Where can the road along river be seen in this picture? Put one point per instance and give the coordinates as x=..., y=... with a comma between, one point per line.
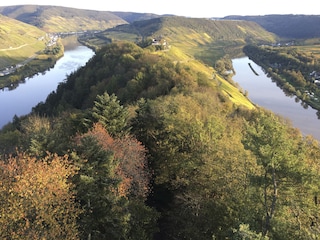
x=265, y=93
x=22, y=99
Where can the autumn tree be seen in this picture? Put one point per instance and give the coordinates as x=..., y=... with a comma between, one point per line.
x=113, y=184
x=37, y=198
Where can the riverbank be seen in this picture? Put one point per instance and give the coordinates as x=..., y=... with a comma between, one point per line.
x=31, y=66
x=38, y=63
x=31, y=91
x=265, y=93
x=291, y=69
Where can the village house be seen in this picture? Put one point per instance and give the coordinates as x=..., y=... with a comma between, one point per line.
x=159, y=42
x=315, y=75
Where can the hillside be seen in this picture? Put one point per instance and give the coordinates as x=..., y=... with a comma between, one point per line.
x=18, y=41
x=287, y=26
x=62, y=19
x=131, y=17
x=203, y=39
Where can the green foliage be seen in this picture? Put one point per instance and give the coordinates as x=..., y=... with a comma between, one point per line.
x=224, y=66
x=108, y=111
x=104, y=212
x=244, y=233
x=123, y=69
x=193, y=151
x=285, y=193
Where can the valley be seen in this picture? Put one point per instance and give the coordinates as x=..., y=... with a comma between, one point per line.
x=152, y=136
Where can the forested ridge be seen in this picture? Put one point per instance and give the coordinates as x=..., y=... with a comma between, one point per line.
x=286, y=26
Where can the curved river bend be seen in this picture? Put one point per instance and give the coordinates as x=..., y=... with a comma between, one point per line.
x=22, y=99
x=265, y=93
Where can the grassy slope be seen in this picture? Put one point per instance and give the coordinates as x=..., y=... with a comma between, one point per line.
x=204, y=39
x=18, y=41
x=61, y=19
x=199, y=36
x=226, y=87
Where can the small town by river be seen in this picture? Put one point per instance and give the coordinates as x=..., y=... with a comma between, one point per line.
x=263, y=92
x=22, y=99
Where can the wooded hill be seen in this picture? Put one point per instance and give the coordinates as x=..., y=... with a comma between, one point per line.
x=287, y=26
x=61, y=19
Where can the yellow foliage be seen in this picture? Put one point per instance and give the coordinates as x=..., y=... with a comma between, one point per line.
x=37, y=200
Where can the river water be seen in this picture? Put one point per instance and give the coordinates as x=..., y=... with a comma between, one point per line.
x=265, y=93
x=22, y=99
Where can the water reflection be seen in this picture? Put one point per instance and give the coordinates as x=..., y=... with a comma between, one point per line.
x=19, y=100
x=265, y=93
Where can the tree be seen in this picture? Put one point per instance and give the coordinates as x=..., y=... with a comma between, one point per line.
x=113, y=116
x=131, y=163
x=244, y=232
x=112, y=184
x=198, y=162
x=281, y=159
x=37, y=199
x=36, y=132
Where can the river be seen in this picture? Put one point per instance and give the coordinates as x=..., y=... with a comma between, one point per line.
x=22, y=99
x=265, y=93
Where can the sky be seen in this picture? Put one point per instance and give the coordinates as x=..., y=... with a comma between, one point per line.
x=188, y=8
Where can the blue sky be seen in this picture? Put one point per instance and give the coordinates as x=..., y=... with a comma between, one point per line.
x=199, y=8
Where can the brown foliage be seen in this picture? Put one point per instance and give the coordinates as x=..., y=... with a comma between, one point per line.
x=130, y=155
x=36, y=198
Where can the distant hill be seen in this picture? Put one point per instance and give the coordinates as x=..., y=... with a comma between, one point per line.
x=62, y=19
x=202, y=30
x=131, y=17
x=287, y=26
x=18, y=41
x=204, y=39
